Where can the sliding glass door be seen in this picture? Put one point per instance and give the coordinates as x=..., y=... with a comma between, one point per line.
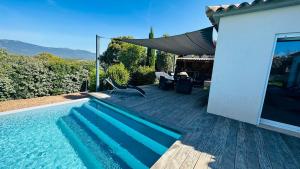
x=282, y=100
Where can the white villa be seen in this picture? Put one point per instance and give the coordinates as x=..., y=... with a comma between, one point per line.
x=256, y=74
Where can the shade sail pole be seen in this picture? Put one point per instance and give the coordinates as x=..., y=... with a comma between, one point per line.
x=97, y=63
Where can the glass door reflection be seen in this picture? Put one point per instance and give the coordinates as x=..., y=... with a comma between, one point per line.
x=282, y=100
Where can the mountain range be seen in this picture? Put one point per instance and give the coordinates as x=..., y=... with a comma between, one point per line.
x=23, y=48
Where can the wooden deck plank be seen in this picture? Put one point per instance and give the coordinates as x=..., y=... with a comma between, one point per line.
x=165, y=159
x=251, y=148
x=198, y=139
x=198, y=134
x=272, y=148
x=209, y=141
x=287, y=156
x=216, y=148
x=191, y=159
x=227, y=159
x=240, y=156
x=178, y=159
x=204, y=157
x=293, y=144
x=183, y=106
x=173, y=110
x=216, y=141
x=264, y=161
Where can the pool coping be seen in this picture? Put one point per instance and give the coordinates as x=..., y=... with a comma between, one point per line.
x=144, y=117
x=42, y=106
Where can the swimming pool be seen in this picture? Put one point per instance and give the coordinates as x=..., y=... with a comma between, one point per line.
x=84, y=134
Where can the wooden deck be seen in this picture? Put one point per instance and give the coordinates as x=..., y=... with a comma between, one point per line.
x=209, y=141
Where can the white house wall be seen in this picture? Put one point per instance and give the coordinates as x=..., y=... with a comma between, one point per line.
x=243, y=59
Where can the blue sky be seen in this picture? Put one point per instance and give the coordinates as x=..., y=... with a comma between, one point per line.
x=74, y=23
x=284, y=48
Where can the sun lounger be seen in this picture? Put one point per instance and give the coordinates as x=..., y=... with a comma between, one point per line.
x=117, y=87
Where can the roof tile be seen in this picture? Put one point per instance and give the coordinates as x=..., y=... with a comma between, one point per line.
x=215, y=12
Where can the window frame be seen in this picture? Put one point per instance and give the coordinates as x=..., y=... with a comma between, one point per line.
x=260, y=120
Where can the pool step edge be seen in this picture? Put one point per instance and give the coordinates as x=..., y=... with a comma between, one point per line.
x=143, y=121
x=87, y=157
x=122, y=153
x=136, y=135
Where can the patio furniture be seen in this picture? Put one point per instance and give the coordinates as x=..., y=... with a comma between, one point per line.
x=117, y=87
x=183, y=74
x=206, y=84
x=184, y=85
x=164, y=74
x=165, y=84
x=180, y=75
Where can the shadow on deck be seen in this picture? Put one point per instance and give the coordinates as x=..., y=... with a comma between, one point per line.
x=208, y=141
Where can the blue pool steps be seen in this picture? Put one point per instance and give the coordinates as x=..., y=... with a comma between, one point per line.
x=94, y=152
x=108, y=137
x=89, y=159
x=152, y=131
x=118, y=147
x=153, y=145
x=129, y=149
x=137, y=119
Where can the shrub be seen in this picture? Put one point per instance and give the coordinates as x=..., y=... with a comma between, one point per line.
x=92, y=80
x=68, y=76
x=31, y=78
x=6, y=88
x=43, y=75
x=164, y=61
x=118, y=73
x=142, y=76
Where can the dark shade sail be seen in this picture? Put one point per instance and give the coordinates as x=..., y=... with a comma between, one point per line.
x=191, y=43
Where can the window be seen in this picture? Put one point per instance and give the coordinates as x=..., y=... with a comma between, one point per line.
x=282, y=101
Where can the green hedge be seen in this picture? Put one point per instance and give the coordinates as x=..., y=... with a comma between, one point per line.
x=6, y=87
x=118, y=73
x=92, y=81
x=46, y=74
x=43, y=75
x=142, y=76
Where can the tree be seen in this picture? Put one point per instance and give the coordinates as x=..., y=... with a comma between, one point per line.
x=164, y=61
x=151, y=52
x=112, y=53
x=132, y=56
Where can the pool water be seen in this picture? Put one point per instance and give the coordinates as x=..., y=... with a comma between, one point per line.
x=31, y=139
x=86, y=134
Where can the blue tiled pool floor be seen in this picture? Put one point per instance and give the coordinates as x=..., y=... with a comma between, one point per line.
x=85, y=134
x=31, y=139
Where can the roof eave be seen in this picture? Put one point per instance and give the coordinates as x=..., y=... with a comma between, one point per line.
x=214, y=17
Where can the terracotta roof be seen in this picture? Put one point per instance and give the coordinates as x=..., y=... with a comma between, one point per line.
x=214, y=13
